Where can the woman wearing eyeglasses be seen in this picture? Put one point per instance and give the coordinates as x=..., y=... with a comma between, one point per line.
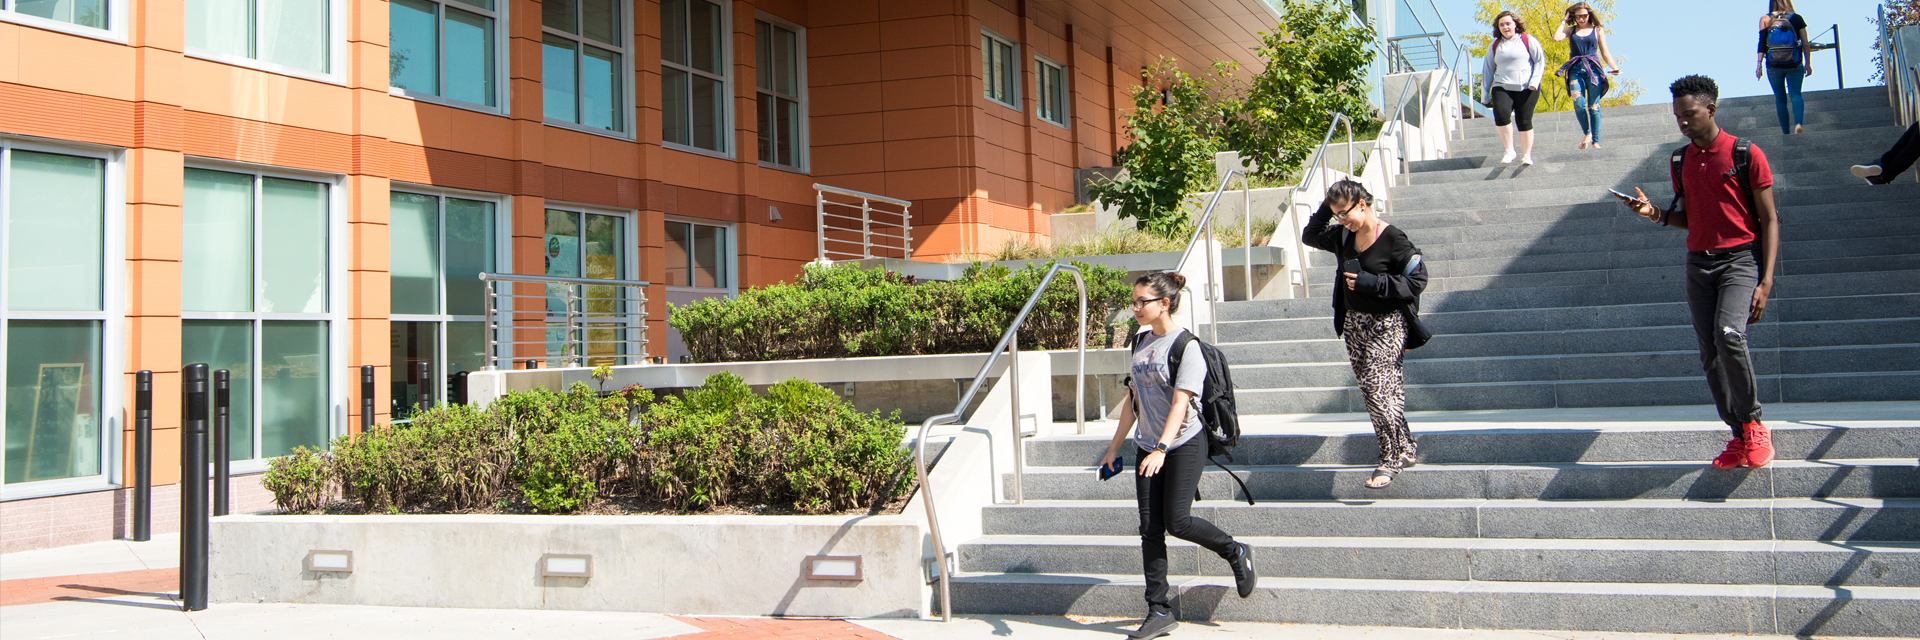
x=1380, y=274
x=1169, y=450
x=1587, y=48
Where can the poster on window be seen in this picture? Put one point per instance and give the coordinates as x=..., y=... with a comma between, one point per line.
x=563, y=260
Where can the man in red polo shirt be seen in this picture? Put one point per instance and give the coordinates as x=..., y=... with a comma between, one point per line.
x=1733, y=234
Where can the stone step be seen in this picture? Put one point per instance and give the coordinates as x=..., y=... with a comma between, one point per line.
x=1446, y=604
x=1763, y=130
x=1588, y=316
x=1823, y=519
x=1589, y=393
x=1823, y=200
x=1758, y=562
x=1885, y=478
x=1487, y=333
x=1797, y=171
x=1800, y=432
x=1792, y=192
x=1816, y=101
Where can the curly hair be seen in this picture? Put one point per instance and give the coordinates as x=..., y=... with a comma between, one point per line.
x=1698, y=86
x=1519, y=26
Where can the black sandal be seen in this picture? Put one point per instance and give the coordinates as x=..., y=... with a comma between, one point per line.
x=1385, y=470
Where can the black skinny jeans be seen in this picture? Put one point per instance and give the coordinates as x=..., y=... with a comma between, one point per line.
x=1900, y=157
x=1166, y=502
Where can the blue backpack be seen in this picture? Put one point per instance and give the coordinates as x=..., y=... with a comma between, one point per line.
x=1783, y=43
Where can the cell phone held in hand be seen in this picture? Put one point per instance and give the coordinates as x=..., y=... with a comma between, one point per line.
x=1110, y=469
x=1622, y=195
x=1351, y=266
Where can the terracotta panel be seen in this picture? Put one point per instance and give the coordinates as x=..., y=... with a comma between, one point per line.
x=845, y=39
x=924, y=62
x=372, y=297
x=369, y=64
x=926, y=32
x=846, y=129
x=157, y=126
x=153, y=343
x=153, y=232
x=9, y=53
x=85, y=66
x=154, y=176
x=372, y=248
x=613, y=157
x=925, y=183
x=870, y=182
x=844, y=99
x=924, y=8
x=66, y=116
x=566, y=148
x=263, y=143
x=854, y=68
x=842, y=12
x=153, y=288
x=161, y=25
x=849, y=158
x=924, y=92
x=583, y=187
x=529, y=221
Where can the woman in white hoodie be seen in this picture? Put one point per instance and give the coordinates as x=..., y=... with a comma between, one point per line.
x=1511, y=80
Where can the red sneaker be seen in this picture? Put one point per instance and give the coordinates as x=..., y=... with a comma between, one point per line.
x=1759, y=445
x=1734, y=457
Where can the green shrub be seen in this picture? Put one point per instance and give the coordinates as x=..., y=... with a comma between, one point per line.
x=301, y=481
x=844, y=311
x=570, y=445
x=833, y=457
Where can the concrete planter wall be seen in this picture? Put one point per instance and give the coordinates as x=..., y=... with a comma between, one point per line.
x=707, y=565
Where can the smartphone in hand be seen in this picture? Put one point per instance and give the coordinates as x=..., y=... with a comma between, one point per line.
x=1351, y=266
x=1110, y=469
x=1622, y=195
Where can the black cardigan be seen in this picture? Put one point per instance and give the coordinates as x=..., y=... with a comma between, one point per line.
x=1399, y=286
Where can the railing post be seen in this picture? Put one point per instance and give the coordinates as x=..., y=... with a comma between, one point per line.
x=143, y=456
x=820, y=222
x=1019, y=441
x=222, y=467
x=906, y=232
x=366, y=398
x=866, y=227
x=193, y=487
x=425, y=401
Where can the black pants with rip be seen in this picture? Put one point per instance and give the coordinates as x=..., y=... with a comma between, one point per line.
x=1166, y=504
x=1720, y=295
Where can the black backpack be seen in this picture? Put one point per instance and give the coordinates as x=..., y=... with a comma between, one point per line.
x=1742, y=173
x=1217, y=410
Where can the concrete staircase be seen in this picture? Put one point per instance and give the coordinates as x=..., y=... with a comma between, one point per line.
x=1584, y=502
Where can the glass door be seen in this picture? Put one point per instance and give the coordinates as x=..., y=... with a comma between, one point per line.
x=586, y=324
x=700, y=261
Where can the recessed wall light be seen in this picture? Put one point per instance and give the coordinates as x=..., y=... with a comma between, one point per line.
x=560, y=565
x=330, y=561
x=834, y=568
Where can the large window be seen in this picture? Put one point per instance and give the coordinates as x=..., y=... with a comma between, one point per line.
x=700, y=259
x=294, y=35
x=998, y=71
x=782, y=55
x=693, y=74
x=440, y=244
x=444, y=50
x=583, y=62
x=592, y=245
x=1052, y=97
x=59, y=337
x=255, y=299
x=96, y=18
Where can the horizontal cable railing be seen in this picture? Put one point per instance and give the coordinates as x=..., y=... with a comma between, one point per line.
x=856, y=226
x=573, y=321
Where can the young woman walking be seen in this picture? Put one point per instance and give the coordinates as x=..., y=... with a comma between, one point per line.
x=1511, y=80
x=1170, y=449
x=1380, y=273
x=1787, y=56
x=1585, y=81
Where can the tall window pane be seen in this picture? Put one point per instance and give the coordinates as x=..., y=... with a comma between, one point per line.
x=56, y=217
x=469, y=254
x=294, y=33
x=600, y=20
x=778, y=85
x=600, y=100
x=708, y=102
x=466, y=346
x=470, y=65
x=559, y=14
x=706, y=34
x=53, y=387
x=86, y=13
x=693, y=74
x=226, y=344
x=413, y=41
x=414, y=256
x=675, y=85
x=221, y=26
x=709, y=247
x=293, y=252
x=558, y=79
x=216, y=242
x=678, y=274
x=413, y=343
x=293, y=386
x=673, y=31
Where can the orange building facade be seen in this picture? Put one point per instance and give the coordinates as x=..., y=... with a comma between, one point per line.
x=293, y=190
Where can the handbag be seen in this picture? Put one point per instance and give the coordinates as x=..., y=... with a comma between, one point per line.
x=1417, y=332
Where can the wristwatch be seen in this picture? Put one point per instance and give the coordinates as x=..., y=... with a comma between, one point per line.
x=1160, y=447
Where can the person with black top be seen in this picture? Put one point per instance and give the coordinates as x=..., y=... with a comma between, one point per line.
x=1381, y=274
x=1894, y=161
x=1787, y=55
x=1170, y=448
x=1733, y=234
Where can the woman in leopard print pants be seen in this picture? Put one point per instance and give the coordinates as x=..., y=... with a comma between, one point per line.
x=1381, y=274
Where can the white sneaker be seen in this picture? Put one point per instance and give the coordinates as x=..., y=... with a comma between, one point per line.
x=1865, y=170
x=1526, y=160
x=1507, y=158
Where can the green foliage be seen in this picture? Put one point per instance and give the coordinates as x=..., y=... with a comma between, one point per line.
x=844, y=311
x=300, y=482
x=1316, y=64
x=1174, y=135
x=720, y=444
x=1542, y=17
x=1900, y=14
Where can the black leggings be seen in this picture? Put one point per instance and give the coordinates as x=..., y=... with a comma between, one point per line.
x=1514, y=107
x=1900, y=157
x=1166, y=502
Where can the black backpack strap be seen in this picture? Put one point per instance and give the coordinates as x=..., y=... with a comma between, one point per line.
x=1679, y=186
x=1174, y=355
x=1236, y=480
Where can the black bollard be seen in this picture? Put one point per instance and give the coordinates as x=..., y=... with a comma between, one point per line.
x=222, y=456
x=425, y=369
x=366, y=398
x=533, y=364
x=457, y=388
x=143, y=456
x=193, y=487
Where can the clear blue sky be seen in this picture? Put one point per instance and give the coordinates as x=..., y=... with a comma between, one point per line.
x=1657, y=41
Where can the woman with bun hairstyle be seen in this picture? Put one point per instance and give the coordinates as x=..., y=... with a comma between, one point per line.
x=1510, y=79
x=1380, y=275
x=1586, y=83
x=1169, y=447
x=1787, y=55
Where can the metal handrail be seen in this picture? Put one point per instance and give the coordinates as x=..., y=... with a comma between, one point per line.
x=1338, y=119
x=575, y=320
x=1009, y=341
x=1217, y=290
x=867, y=223
x=1400, y=137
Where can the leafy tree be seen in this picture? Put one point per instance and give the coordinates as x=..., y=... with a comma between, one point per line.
x=1541, y=18
x=1316, y=64
x=1900, y=13
x=1174, y=133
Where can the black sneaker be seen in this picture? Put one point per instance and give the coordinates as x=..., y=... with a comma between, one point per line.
x=1157, y=624
x=1244, y=577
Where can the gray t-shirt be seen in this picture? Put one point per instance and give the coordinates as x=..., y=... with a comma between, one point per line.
x=1155, y=395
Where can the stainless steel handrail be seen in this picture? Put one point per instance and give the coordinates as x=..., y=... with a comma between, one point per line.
x=867, y=224
x=1010, y=342
x=575, y=320
x=1398, y=116
x=1306, y=177
x=1217, y=290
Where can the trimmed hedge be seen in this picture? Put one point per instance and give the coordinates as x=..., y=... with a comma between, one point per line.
x=799, y=445
x=844, y=311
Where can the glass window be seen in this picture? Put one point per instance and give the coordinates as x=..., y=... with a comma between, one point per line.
x=693, y=74
x=289, y=33
x=779, y=86
x=697, y=255
x=255, y=278
x=53, y=217
x=997, y=69
x=443, y=49
x=582, y=244
x=440, y=246
x=86, y=13
x=1052, y=97
x=583, y=62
